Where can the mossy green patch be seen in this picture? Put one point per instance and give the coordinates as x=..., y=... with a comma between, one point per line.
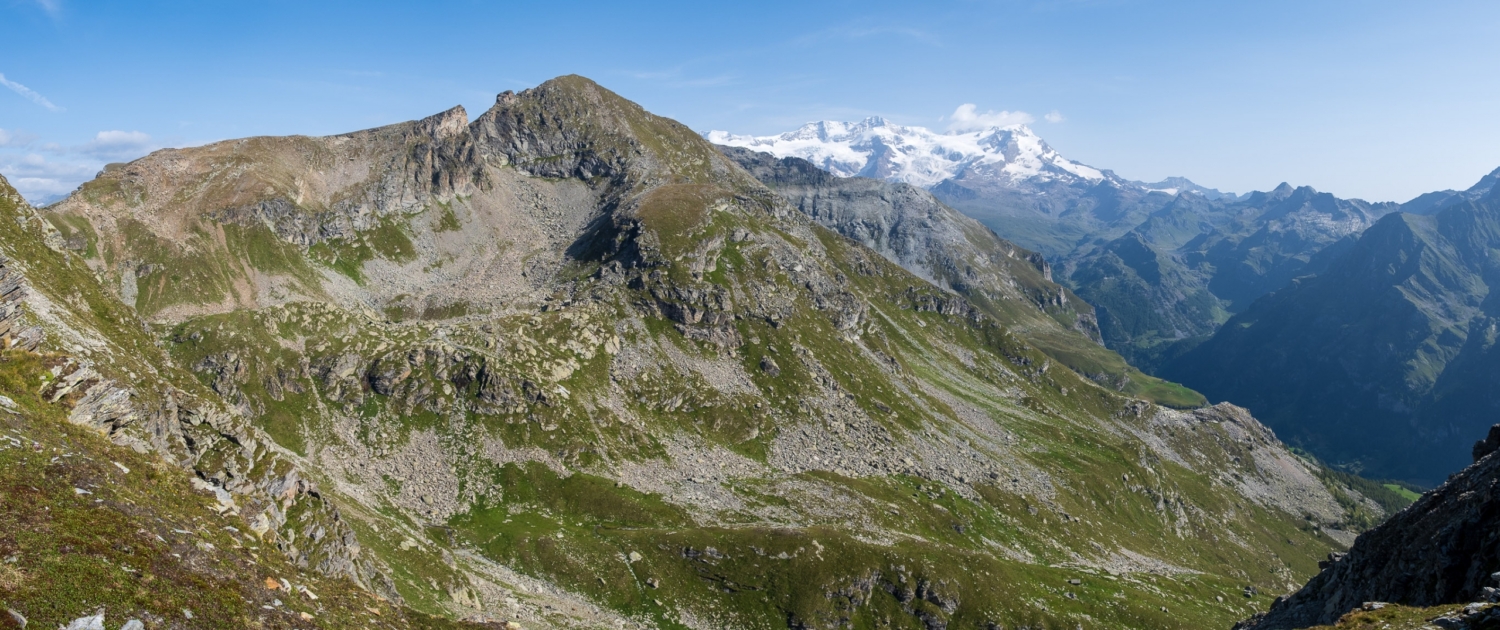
x=88, y=526
x=388, y=240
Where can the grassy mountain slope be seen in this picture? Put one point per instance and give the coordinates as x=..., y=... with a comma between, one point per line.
x=568, y=362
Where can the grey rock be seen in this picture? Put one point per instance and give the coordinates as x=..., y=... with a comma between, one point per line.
x=93, y=622
x=18, y=618
x=1443, y=549
x=133, y=624
x=1488, y=445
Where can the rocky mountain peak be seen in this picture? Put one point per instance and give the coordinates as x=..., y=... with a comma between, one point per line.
x=1487, y=183
x=573, y=127
x=1009, y=155
x=446, y=124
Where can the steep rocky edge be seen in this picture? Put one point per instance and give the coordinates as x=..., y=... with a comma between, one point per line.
x=910, y=227
x=569, y=363
x=1443, y=549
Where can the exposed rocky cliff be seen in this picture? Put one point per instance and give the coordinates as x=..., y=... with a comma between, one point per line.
x=1443, y=549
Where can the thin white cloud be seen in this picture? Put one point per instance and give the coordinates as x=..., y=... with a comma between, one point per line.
x=52, y=7
x=968, y=118
x=15, y=138
x=37, y=165
x=1054, y=116
x=42, y=180
x=41, y=190
x=28, y=93
x=44, y=172
x=677, y=77
x=113, y=145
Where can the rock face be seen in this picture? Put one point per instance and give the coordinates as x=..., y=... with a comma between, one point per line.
x=1443, y=549
x=907, y=225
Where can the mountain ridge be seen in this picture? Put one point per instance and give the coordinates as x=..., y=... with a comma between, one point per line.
x=1214, y=252
x=878, y=149
x=913, y=229
x=572, y=355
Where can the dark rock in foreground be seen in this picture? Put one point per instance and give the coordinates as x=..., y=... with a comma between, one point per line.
x=1441, y=550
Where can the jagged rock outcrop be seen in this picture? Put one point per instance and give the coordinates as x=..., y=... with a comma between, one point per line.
x=1443, y=549
x=12, y=293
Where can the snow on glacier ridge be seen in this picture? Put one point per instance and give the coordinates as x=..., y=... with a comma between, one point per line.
x=876, y=148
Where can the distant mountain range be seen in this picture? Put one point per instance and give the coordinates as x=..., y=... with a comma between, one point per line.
x=875, y=148
x=1351, y=323
x=1387, y=356
x=1165, y=263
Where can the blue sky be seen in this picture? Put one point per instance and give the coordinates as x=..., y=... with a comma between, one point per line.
x=1375, y=99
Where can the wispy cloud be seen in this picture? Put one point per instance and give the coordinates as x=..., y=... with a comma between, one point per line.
x=1054, y=116
x=115, y=145
x=52, y=7
x=43, y=173
x=15, y=138
x=28, y=93
x=676, y=77
x=968, y=118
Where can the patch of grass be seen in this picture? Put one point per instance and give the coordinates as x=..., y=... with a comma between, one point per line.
x=1392, y=617
x=387, y=240
x=1165, y=393
x=88, y=525
x=447, y=220
x=673, y=212
x=1403, y=491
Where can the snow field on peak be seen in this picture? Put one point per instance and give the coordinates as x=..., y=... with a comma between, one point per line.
x=916, y=155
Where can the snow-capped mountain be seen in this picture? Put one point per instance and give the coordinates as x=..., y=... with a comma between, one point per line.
x=915, y=155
